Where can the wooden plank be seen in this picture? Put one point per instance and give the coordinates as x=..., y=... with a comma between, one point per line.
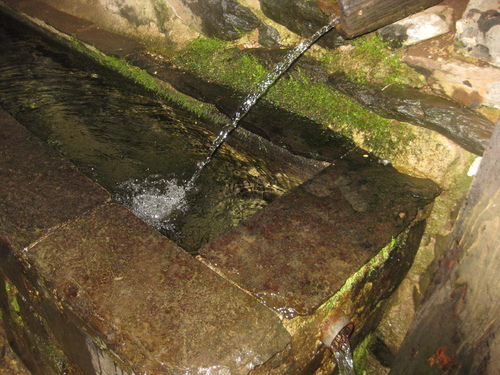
x=358, y=17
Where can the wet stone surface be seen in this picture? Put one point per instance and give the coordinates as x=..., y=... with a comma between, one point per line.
x=298, y=134
x=298, y=251
x=468, y=128
x=39, y=189
x=155, y=306
x=303, y=17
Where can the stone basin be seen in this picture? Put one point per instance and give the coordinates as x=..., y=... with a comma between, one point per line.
x=87, y=287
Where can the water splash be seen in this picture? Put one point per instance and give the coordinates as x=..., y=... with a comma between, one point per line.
x=343, y=356
x=259, y=90
x=153, y=199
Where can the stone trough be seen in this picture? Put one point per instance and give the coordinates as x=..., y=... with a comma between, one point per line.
x=90, y=288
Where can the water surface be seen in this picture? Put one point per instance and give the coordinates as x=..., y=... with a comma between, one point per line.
x=139, y=147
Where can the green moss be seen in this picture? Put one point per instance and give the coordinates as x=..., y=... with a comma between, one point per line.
x=368, y=60
x=12, y=293
x=376, y=262
x=15, y=309
x=219, y=61
x=361, y=354
x=144, y=79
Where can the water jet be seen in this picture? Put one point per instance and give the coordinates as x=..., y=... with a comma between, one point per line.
x=335, y=335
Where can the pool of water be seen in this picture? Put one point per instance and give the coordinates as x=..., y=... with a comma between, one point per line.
x=139, y=147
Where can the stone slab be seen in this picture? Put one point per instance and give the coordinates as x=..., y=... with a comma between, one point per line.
x=39, y=189
x=158, y=308
x=299, y=251
x=466, y=127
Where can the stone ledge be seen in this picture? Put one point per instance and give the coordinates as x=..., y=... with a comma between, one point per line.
x=40, y=190
x=155, y=306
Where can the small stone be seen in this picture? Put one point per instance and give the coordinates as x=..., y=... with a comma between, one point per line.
x=425, y=25
x=478, y=32
x=269, y=36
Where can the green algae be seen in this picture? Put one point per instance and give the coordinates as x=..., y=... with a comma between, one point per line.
x=15, y=309
x=144, y=79
x=371, y=266
x=361, y=353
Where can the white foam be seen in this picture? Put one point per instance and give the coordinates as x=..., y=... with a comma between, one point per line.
x=153, y=199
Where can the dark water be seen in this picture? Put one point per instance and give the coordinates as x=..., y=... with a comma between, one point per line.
x=139, y=147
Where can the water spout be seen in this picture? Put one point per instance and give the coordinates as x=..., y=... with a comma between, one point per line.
x=335, y=335
x=258, y=90
x=154, y=198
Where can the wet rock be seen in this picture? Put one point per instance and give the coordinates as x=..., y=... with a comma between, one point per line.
x=298, y=134
x=464, y=126
x=269, y=36
x=428, y=24
x=363, y=301
x=470, y=84
x=40, y=190
x=98, y=283
x=299, y=250
x=120, y=283
x=303, y=17
x=224, y=19
x=478, y=32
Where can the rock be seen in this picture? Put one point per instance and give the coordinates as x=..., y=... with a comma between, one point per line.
x=428, y=24
x=295, y=253
x=269, y=36
x=303, y=17
x=464, y=126
x=224, y=19
x=478, y=32
x=466, y=83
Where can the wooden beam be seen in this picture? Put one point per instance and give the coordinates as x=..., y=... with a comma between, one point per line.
x=358, y=17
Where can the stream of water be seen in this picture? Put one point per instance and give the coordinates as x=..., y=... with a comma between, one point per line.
x=343, y=356
x=139, y=147
x=142, y=149
x=260, y=89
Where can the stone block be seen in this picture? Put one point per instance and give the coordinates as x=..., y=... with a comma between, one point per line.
x=299, y=250
x=89, y=286
x=40, y=190
x=114, y=290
